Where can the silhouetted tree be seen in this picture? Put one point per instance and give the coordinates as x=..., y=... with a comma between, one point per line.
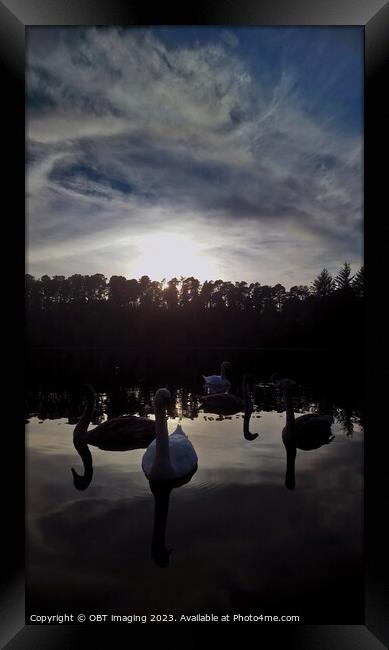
x=189, y=291
x=358, y=283
x=343, y=280
x=324, y=284
x=206, y=294
x=133, y=290
x=118, y=291
x=171, y=294
x=279, y=296
x=185, y=312
x=96, y=287
x=144, y=291
x=299, y=293
x=77, y=288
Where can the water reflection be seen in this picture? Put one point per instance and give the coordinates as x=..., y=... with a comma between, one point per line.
x=186, y=403
x=161, y=491
x=86, y=548
x=226, y=404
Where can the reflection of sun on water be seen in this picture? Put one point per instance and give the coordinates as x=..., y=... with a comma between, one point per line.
x=168, y=255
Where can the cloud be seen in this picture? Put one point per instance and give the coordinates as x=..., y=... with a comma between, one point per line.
x=132, y=133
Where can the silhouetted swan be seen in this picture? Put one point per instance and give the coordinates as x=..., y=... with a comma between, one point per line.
x=118, y=434
x=246, y=423
x=172, y=457
x=229, y=404
x=218, y=383
x=307, y=432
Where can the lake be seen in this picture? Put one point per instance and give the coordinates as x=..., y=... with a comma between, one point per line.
x=241, y=541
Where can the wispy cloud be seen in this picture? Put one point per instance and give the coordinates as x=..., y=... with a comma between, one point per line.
x=130, y=133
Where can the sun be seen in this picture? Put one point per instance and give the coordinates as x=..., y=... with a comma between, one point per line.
x=168, y=255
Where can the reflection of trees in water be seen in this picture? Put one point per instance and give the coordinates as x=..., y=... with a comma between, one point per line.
x=348, y=417
x=185, y=403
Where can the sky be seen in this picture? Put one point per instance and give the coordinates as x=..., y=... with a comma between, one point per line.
x=233, y=154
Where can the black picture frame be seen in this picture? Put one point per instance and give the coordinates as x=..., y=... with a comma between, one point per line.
x=15, y=16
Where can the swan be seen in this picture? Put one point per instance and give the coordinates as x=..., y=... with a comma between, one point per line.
x=229, y=404
x=168, y=458
x=307, y=432
x=218, y=383
x=118, y=434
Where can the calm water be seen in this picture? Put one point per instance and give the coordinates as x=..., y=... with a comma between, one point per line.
x=241, y=541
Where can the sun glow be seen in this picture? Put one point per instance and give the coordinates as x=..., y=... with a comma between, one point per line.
x=168, y=255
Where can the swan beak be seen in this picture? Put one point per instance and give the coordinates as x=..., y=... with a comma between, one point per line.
x=251, y=436
x=290, y=484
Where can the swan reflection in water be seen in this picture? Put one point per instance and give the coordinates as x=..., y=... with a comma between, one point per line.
x=230, y=404
x=161, y=491
x=307, y=432
x=117, y=434
x=169, y=461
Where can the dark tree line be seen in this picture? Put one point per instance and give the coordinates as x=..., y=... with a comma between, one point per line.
x=91, y=310
x=47, y=293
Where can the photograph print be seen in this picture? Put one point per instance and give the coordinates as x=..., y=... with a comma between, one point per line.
x=194, y=305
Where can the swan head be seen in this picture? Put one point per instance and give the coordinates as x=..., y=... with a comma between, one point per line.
x=90, y=393
x=81, y=482
x=250, y=436
x=290, y=481
x=162, y=399
x=161, y=556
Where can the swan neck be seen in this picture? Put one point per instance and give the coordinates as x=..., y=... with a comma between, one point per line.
x=223, y=371
x=289, y=410
x=161, y=509
x=82, y=425
x=245, y=389
x=86, y=457
x=162, y=451
x=246, y=419
x=290, y=465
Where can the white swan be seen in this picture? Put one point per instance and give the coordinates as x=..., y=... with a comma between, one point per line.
x=168, y=458
x=227, y=403
x=218, y=383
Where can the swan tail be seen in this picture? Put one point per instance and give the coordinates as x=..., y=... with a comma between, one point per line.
x=180, y=431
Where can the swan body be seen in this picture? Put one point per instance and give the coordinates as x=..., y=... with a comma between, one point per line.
x=218, y=383
x=128, y=432
x=222, y=403
x=310, y=431
x=229, y=404
x=114, y=433
x=168, y=458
